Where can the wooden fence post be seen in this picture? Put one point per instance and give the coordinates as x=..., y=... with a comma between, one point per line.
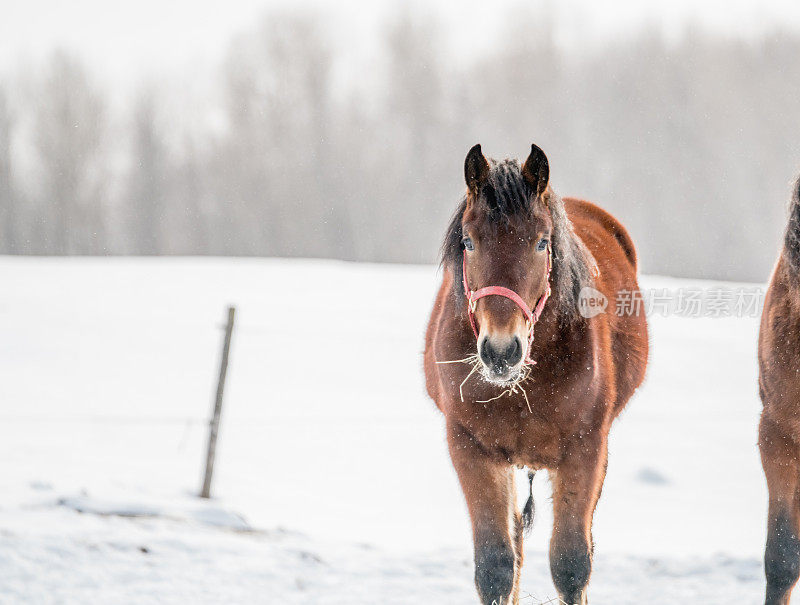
x=213, y=428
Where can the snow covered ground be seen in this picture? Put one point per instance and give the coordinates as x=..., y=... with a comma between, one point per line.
x=333, y=483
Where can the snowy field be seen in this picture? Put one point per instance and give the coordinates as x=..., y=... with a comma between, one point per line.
x=333, y=483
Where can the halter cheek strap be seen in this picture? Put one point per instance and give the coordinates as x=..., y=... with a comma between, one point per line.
x=531, y=317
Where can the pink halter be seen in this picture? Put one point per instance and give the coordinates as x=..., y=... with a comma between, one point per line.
x=531, y=316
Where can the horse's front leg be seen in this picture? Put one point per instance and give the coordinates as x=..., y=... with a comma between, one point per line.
x=577, y=483
x=488, y=485
x=779, y=456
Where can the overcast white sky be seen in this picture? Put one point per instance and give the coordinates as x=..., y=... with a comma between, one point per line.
x=124, y=40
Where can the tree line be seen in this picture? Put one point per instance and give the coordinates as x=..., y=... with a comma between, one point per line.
x=691, y=142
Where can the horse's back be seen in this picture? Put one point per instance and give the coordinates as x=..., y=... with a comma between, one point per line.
x=588, y=217
x=615, y=254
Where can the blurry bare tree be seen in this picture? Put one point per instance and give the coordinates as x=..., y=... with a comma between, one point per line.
x=147, y=195
x=10, y=228
x=415, y=126
x=277, y=169
x=69, y=118
x=692, y=143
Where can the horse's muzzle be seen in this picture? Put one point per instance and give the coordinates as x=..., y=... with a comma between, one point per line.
x=502, y=356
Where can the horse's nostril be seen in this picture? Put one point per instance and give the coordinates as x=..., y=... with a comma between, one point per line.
x=503, y=356
x=514, y=352
x=487, y=353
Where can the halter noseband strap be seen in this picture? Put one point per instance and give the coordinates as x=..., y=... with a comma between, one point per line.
x=530, y=316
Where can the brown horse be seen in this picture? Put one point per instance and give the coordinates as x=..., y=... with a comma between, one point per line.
x=779, y=432
x=517, y=255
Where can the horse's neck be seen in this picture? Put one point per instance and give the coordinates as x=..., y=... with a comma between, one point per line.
x=554, y=329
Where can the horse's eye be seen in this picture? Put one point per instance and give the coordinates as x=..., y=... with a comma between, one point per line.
x=468, y=244
x=542, y=245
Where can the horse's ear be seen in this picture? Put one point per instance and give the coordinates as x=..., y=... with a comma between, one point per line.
x=476, y=169
x=536, y=170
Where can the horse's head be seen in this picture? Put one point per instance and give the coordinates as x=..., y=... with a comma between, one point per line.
x=506, y=230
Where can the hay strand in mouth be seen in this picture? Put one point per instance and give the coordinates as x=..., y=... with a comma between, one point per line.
x=473, y=360
x=506, y=392
x=469, y=359
x=461, y=386
x=509, y=391
x=512, y=389
x=525, y=394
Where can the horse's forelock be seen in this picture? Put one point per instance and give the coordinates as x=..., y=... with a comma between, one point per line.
x=506, y=193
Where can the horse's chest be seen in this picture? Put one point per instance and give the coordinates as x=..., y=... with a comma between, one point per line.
x=510, y=430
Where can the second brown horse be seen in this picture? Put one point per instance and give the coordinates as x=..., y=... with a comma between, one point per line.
x=511, y=400
x=779, y=431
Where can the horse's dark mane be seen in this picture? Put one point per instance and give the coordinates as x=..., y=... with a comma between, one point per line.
x=792, y=239
x=508, y=196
